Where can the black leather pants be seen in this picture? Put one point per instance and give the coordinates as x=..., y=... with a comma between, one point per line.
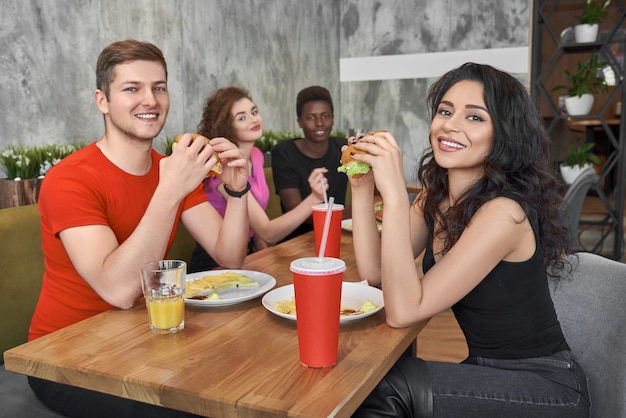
x=406, y=391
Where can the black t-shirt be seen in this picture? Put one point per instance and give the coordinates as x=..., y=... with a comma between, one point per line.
x=510, y=314
x=291, y=169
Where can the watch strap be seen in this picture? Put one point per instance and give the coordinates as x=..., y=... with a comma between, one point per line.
x=237, y=194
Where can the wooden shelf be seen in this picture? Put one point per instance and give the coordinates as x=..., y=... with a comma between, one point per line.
x=550, y=58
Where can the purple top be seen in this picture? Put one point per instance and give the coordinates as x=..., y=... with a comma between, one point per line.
x=258, y=186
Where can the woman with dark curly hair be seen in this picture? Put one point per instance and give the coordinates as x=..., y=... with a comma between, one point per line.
x=487, y=222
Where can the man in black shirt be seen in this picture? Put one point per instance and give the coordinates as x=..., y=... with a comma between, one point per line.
x=294, y=159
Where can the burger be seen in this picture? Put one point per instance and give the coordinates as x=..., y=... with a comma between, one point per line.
x=217, y=168
x=349, y=165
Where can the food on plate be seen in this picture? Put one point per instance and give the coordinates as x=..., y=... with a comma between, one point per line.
x=347, y=225
x=349, y=165
x=217, y=282
x=288, y=307
x=212, y=296
x=217, y=168
x=368, y=306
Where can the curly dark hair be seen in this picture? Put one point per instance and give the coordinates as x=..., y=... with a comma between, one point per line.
x=518, y=163
x=217, y=119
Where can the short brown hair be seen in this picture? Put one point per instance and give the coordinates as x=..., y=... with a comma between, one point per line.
x=311, y=94
x=119, y=53
x=217, y=119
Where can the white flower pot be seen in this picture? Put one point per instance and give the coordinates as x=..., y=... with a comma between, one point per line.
x=579, y=105
x=586, y=33
x=570, y=174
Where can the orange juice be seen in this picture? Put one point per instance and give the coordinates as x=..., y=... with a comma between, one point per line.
x=163, y=286
x=166, y=314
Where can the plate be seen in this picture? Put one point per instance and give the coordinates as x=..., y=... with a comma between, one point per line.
x=346, y=225
x=353, y=295
x=234, y=296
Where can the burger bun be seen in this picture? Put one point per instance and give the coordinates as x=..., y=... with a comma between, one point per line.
x=217, y=168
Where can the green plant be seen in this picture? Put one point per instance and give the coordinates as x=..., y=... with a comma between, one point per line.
x=339, y=134
x=593, y=13
x=24, y=162
x=166, y=146
x=265, y=143
x=585, y=79
x=271, y=138
x=581, y=156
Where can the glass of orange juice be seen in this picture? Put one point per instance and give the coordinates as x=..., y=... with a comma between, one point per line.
x=163, y=285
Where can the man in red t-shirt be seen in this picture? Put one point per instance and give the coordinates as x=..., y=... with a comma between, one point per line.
x=114, y=205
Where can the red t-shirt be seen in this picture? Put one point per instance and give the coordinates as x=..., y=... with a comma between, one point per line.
x=87, y=189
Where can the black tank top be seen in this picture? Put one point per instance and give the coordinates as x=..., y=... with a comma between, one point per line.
x=510, y=313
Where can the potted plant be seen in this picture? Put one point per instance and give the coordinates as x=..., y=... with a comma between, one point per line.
x=24, y=167
x=165, y=146
x=269, y=141
x=582, y=85
x=593, y=14
x=578, y=159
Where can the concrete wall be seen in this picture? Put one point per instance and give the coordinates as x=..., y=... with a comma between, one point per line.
x=273, y=47
x=50, y=48
x=403, y=46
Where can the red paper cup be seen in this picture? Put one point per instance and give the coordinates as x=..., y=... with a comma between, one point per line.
x=333, y=242
x=317, y=286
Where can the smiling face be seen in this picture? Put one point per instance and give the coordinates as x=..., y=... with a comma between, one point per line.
x=462, y=132
x=247, y=121
x=138, y=101
x=316, y=121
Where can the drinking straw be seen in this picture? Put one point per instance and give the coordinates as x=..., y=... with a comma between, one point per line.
x=324, y=190
x=329, y=214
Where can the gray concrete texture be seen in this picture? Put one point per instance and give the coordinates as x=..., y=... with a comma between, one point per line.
x=274, y=48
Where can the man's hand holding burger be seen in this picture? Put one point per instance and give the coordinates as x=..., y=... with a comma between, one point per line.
x=186, y=167
x=216, y=168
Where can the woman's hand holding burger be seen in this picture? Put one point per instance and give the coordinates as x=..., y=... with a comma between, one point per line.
x=355, y=167
x=235, y=174
x=214, y=157
x=379, y=156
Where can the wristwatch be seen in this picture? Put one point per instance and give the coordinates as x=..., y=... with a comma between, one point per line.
x=237, y=194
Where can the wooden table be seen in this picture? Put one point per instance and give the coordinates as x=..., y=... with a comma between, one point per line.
x=413, y=188
x=231, y=361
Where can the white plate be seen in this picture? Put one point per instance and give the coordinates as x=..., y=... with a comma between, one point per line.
x=265, y=281
x=346, y=225
x=353, y=295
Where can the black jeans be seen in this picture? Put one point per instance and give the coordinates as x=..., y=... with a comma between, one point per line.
x=73, y=401
x=552, y=386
